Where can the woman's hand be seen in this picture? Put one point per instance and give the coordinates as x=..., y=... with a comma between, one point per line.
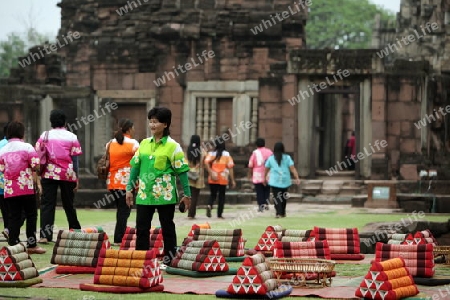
x=129, y=198
x=297, y=181
x=75, y=189
x=187, y=202
x=39, y=190
x=233, y=184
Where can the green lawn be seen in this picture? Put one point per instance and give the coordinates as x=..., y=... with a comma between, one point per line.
x=252, y=224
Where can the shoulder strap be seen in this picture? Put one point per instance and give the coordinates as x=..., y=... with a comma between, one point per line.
x=45, y=140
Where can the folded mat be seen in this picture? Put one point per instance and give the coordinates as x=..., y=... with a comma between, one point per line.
x=119, y=289
x=282, y=291
x=436, y=280
x=183, y=272
x=20, y=283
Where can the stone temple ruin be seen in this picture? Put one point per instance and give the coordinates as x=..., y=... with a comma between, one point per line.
x=129, y=53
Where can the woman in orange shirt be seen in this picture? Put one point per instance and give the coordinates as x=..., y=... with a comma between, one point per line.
x=121, y=150
x=219, y=165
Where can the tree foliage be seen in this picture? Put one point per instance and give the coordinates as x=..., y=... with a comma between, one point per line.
x=10, y=50
x=343, y=24
x=16, y=45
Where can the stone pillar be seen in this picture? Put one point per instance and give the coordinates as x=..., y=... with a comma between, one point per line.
x=423, y=112
x=337, y=130
x=206, y=118
x=254, y=129
x=365, y=133
x=305, y=128
x=213, y=117
x=46, y=107
x=199, y=117
x=241, y=113
x=192, y=117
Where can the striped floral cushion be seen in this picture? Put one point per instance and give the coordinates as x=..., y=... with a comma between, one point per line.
x=419, y=259
x=129, y=268
x=319, y=249
x=388, y=280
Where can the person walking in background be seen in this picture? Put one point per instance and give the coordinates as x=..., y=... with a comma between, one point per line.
x=157, y=162
x=195, y=156
x=61, y=170
x=350, y=151
x=278, y=167
x=19, y=163
x=4, y=204
x=121, y=150
x=257, y=164
x=219, y=165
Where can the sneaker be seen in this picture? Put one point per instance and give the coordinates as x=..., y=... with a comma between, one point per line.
x=162, y=266
x=5, y=233
x=221, y=218
x=266, y=207
x=277, y=216
x=36, y=250
x=208, y=211
x=43, y=241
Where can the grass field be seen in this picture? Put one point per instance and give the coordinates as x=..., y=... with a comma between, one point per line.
x=252, y=224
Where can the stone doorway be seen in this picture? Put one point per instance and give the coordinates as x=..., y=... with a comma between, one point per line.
x=334, y=123
x=137, y=112
x=334, y=112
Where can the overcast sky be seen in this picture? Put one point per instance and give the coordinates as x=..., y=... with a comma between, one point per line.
x=46, y=16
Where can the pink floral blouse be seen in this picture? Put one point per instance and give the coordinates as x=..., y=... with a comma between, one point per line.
x=17, y=159
x=257, y=163
x=61, y=146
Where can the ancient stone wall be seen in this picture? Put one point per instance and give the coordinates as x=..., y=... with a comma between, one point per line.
x=132, y=50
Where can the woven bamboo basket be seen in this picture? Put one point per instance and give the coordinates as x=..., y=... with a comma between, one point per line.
x=442, y=250
x=302, y=265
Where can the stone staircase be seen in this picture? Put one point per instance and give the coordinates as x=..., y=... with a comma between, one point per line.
x=92, y=191
x=338, y=188
x=341, y=184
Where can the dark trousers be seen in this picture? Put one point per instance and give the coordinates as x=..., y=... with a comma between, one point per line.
x=280, y=200
x=195, y=193
x=17, y=206
x=48, y=205
x=217, y=189
x=262, y=194
x=5, y=211
x=144, y=216
x=122, y=214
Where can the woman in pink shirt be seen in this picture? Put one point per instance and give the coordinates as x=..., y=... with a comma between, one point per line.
x=60, y=171
x=19, y=163
x=257, y=165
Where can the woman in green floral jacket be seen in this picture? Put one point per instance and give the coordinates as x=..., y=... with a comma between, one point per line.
x=156, y=163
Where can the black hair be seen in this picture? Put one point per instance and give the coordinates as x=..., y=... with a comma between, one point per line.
x=193, y=151
x=278, y=151
x=124, y=126
x=260, y=142
x=5, y=129
x=163, y=115
x=57, y=118
x=220, y=147
x=15, y=129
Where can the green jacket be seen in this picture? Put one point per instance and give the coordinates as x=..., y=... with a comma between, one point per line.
x=157, y=165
